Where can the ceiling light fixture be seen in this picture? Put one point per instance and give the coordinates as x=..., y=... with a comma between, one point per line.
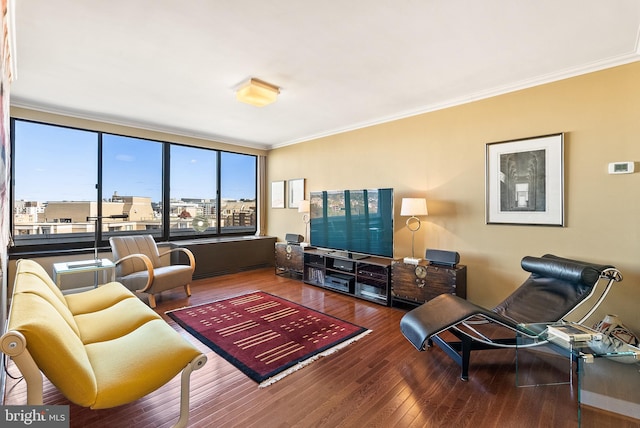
x=257, y=93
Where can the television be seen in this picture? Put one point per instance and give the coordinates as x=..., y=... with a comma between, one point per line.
x=358, y=222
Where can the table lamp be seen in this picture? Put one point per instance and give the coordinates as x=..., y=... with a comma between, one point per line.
x=413, y=207
x=305, y=208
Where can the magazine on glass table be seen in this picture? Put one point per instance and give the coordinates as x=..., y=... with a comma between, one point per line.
x=573, y=332
x=84, y=263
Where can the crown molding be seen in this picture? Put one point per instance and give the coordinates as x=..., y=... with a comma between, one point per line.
x=481, y=95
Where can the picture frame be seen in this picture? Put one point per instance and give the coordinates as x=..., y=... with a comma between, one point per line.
x=296, y=192
x=525, y=181
x=277, y=194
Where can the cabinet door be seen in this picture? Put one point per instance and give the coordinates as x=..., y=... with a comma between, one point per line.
x=372, y=283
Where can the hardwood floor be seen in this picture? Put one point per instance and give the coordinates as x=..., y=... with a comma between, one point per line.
x=380, y=381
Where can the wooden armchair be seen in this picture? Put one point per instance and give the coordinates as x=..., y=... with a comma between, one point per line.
x=140, y=267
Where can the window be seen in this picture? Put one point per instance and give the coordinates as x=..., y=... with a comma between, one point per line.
x=131, y=185
x=238, y=193
x=54, y=175
x=65, y=178
x=193, y=191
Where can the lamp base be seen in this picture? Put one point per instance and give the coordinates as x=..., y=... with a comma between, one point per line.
x=411, y=260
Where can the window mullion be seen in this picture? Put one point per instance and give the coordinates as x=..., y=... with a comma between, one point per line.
x=98, y=223
x=166, y=191
x=218, y=193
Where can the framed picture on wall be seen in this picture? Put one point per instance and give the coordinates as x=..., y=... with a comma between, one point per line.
x=277, y=194
x=296, y=192
x=525, y=181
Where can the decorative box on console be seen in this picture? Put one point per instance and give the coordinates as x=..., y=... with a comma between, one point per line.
x=289, y=260
x=415, y=284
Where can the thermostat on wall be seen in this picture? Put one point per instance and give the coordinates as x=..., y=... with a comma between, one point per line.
x=621, y=167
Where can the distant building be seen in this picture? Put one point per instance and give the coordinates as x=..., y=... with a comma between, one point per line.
x=138, y=208
x=54, y=217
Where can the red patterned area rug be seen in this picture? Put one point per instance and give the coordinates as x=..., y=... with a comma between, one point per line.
x=265, y=336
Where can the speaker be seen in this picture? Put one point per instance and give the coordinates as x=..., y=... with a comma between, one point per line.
x=442, y=257
x=293, y=238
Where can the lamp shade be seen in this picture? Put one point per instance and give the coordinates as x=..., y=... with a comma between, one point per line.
x=413, y=207
x=304, y=207
x=257, y=93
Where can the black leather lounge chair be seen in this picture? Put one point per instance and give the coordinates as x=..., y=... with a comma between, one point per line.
x=555, y=288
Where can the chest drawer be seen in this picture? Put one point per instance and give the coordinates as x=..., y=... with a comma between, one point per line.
x=417, y=284
x=289, y=258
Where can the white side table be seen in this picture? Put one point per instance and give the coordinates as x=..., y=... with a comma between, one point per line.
x=105, y=266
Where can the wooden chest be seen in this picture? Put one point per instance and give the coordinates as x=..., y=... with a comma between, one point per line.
x=289, y=259
x=417, y=284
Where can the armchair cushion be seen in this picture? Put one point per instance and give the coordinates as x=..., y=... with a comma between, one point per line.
x=115, y=321
x=123, y=246
x=136, y=280
x=55, y=346
x=158, y=357
x=167, y=277
x=164, y=278
x=97, y=299
x=32, y=285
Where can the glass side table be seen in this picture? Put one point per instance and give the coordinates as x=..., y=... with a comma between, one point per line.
x=106, y=266
x=540, y=361
x=609, y=380
x=608, y=377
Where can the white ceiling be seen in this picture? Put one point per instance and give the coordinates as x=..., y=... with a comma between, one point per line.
x=173, y=66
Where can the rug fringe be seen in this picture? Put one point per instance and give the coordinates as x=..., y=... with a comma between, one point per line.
x=310, y=360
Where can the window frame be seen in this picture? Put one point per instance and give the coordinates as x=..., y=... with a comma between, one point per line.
x=82, y=243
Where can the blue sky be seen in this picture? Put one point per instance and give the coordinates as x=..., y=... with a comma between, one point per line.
x=56, y=163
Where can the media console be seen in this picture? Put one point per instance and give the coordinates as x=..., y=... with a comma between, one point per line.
x=367, y=278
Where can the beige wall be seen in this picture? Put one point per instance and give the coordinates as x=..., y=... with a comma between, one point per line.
x=441, y=156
